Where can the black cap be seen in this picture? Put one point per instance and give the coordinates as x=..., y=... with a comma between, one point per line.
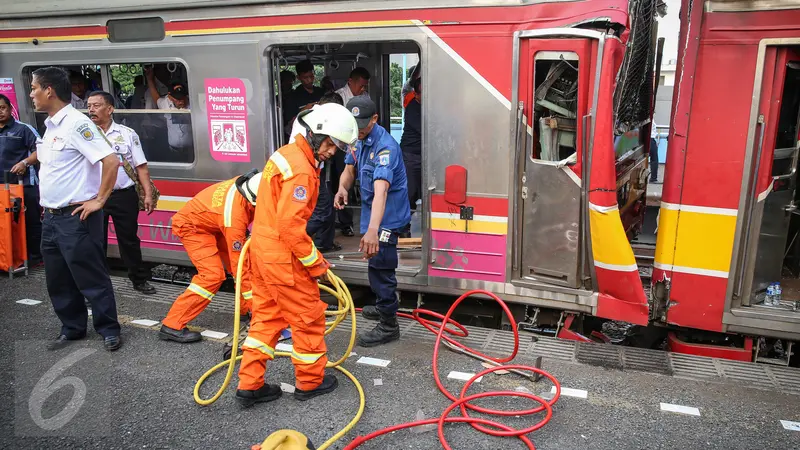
x=362, y=108
x=178, y=91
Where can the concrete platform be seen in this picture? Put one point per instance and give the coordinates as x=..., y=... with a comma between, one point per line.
x=141, y=396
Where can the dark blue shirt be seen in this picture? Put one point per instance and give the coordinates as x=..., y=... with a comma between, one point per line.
x=17, y=142
x=379, y=158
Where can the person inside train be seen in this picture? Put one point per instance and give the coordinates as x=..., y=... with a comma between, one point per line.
x=377, y=163
x=305, y=95
x=357, y=84
x=78, y=83
x=408, y=90
x=213, y=228
x=321, y=224
x=123, y=204
x=287, y=81
x=18, y=142
x=411, y=144
x=179, y=128
x=286, y=264
x=137, y=98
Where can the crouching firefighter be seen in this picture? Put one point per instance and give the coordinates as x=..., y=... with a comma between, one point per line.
x=286, y=264
x=212, y=227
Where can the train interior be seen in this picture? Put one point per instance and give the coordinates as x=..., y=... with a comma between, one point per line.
x=390, y=65
x=778, y=252
x=166, y=136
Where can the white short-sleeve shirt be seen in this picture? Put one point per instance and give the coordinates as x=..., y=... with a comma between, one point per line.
x=69, y=153
x=126, y=144
x=179, y=134
x=347, y=94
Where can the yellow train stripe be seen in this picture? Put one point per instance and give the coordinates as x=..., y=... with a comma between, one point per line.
x=695, y=240
x=474, y=226
x=610, y=247
x=26, y=39
x=170, y=205
x=295, y=27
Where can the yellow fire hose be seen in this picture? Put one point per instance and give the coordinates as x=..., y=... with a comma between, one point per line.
x=345, y=300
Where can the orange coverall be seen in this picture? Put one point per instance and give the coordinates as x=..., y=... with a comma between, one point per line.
x=285, y=265
x=212, y=227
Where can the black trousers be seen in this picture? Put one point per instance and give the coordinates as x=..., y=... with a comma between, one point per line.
x=33, y=223
x=123, y=208
x=75, y=268
x=345, y=216
x=321, y=224
x=653, y=160
x=413, y=165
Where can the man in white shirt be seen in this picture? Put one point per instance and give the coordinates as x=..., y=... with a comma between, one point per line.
x=179, y=128
x=123, y=204
x=77, y=174
x=356, y=85
x=653, y=152
x=78, y=84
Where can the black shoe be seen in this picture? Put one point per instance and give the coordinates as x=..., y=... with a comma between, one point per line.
x=348, y=231
x=62, y=341
x=266, y=393
x=329, y=384
x=334, y=248
x=386, y=331
x=370, y=312
x=244, y=319
x=145, y=288
x=112, y=343
x=183, y=336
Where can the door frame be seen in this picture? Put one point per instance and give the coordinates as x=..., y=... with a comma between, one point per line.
x=735, y=314
x=513, y=245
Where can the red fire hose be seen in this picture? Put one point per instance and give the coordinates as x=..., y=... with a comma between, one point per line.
x=463, y=401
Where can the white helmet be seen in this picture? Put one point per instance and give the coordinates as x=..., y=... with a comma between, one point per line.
x=333, y=120
x=247, y=185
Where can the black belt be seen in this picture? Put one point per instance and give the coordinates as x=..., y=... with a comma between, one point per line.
x=124, y=189
x=62, y=211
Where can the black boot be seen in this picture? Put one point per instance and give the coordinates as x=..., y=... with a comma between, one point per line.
x=329, y=384
x=370, y=312
x=386, y=331
x=183, y=336
x=266, y=393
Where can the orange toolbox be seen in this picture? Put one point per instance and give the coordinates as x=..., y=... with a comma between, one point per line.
x=13, y=246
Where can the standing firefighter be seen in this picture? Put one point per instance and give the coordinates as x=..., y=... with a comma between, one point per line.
x=213, y=228
x=286, y=264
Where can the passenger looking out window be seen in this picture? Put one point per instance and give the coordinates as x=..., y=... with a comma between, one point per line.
x=179, y=128
x=78, y=83
x=305, y=95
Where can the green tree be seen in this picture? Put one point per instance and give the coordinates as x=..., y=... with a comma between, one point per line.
x=396, y=91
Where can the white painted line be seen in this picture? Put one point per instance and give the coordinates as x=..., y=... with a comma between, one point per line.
x=145, y=322
x=463, y=376
x=353, y=354
x=579, y=393
x=28, y=301
x=791, y=426
x=373, y=361
x=690, y=410
x=281, y=347
x=213, y=334
x=377, y=382
x=288, y=388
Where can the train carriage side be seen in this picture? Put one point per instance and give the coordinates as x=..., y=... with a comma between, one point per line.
x=524, y=170
x=727, y=223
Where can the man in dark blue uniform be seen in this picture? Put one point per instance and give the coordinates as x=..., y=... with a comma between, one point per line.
x=385, y=213
x=17, y=142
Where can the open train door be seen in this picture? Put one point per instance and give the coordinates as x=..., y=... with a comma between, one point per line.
x=767, y=249
x=567, y=227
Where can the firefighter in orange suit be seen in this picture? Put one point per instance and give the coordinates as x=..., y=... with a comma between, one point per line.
x=213, y=228
x=285, y=263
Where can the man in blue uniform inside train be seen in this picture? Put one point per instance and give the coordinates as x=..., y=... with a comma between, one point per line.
x=385, y=214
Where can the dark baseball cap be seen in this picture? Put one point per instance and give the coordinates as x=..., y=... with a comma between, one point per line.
x=178, y=91
x=362, y=108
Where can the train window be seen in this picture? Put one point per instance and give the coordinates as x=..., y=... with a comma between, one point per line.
x=556, y=105
x=161, y=118
x=136, y=30
x=166, y=136
x=402, y=71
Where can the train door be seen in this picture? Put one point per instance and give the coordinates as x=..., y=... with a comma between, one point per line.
x=554, y=89
x=771, y=242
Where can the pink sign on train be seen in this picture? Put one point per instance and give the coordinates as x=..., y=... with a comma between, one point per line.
x=7, y=89
x=226, y=109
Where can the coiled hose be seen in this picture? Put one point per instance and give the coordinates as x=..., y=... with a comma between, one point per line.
x=346, y=307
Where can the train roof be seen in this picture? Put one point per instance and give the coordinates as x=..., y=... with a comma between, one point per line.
x=14, y=9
